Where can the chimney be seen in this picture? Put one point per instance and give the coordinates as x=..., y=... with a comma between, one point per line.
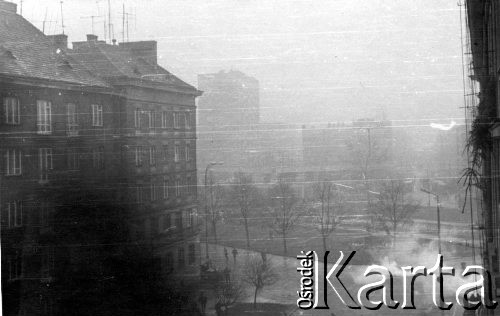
x=146, y=50
x=8, y=6
x=91, y=38
x=59, y=40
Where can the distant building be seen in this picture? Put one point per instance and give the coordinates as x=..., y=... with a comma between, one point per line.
x=348, y=150
x=230, y=99
x=99, y=117
x=230, y=130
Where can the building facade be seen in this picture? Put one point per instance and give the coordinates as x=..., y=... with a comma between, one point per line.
x=97, y=118
x=159, y=136
x=230, y=131
x=483, y=20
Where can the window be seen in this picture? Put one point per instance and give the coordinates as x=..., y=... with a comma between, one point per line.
x=46, y=212
x=44, y=117
x=137, y=118
x=138, y=156
x=47, y=263
x=177, y=124
x=166, y=221
x=180, y=257
x=189, y=185
x=191, y=254
x=165, y=152
x=192, y=218
x=178, y=220
x=165, y=187
x=98, y=157
x=177, y=187
x=73, y=159
x=186, y=219
x=11, y=110
x=153, y=193
x=177, y=153
x=164, y=119
x=72, y=119
x=138, y=193
x=15, y=267
x=96, y=115
x=13, y=162
x=151, y=119
x=169, y=262
x=152, y=155
x=44, y=162
x=15, y=214
x=187, y=120
x=186, y=153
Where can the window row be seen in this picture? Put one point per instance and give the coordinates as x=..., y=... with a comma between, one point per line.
x=14, y=157
x=155, y=191
x=44, y=121
x=164, y=119
x=177, y=220
x=150, y=154
x=14, y=215
x=168, y=261
x=39, y=264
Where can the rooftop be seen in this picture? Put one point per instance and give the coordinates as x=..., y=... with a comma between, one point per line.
x=131, y=60
x=26, y=52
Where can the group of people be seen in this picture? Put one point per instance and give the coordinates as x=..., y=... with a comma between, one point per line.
x=226, y=254
x=208, y=267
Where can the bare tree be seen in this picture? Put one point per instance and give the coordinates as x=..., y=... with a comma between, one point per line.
x=331, y=204
x=393, y=210
x=244, y=194
x=229, y=291
x=259, y=272
x=364, y=151
x=285, y=210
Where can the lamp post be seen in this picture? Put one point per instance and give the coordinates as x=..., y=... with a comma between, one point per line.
x=210, y=164
x=438, y=217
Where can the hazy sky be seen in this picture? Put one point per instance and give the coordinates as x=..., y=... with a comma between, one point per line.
x=315, y=60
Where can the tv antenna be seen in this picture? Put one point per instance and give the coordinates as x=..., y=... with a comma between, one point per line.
x=125, y=19
x=45, y=21
x=92, y=18
x=109, y=20
x=62, y=17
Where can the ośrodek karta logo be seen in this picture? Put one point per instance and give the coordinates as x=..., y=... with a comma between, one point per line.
x=311, y=283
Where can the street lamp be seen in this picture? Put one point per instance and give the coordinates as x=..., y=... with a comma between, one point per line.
x=210, y=164
x=438, y=217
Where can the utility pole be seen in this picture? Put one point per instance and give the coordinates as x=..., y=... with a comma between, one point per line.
x=206, y=204
x=438, y=216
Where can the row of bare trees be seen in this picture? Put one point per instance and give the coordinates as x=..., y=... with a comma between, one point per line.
x=391, y=209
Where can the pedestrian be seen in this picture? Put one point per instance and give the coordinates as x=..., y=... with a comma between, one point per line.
x=226, y=255
x=202, y=299
x=264, y=257
x=235, y=253
x=226, y=273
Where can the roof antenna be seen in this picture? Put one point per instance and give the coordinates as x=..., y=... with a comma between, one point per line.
x=21, y=8
x=109, y=20
x=62, y=18
x=123, y=23
x=92, y=18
